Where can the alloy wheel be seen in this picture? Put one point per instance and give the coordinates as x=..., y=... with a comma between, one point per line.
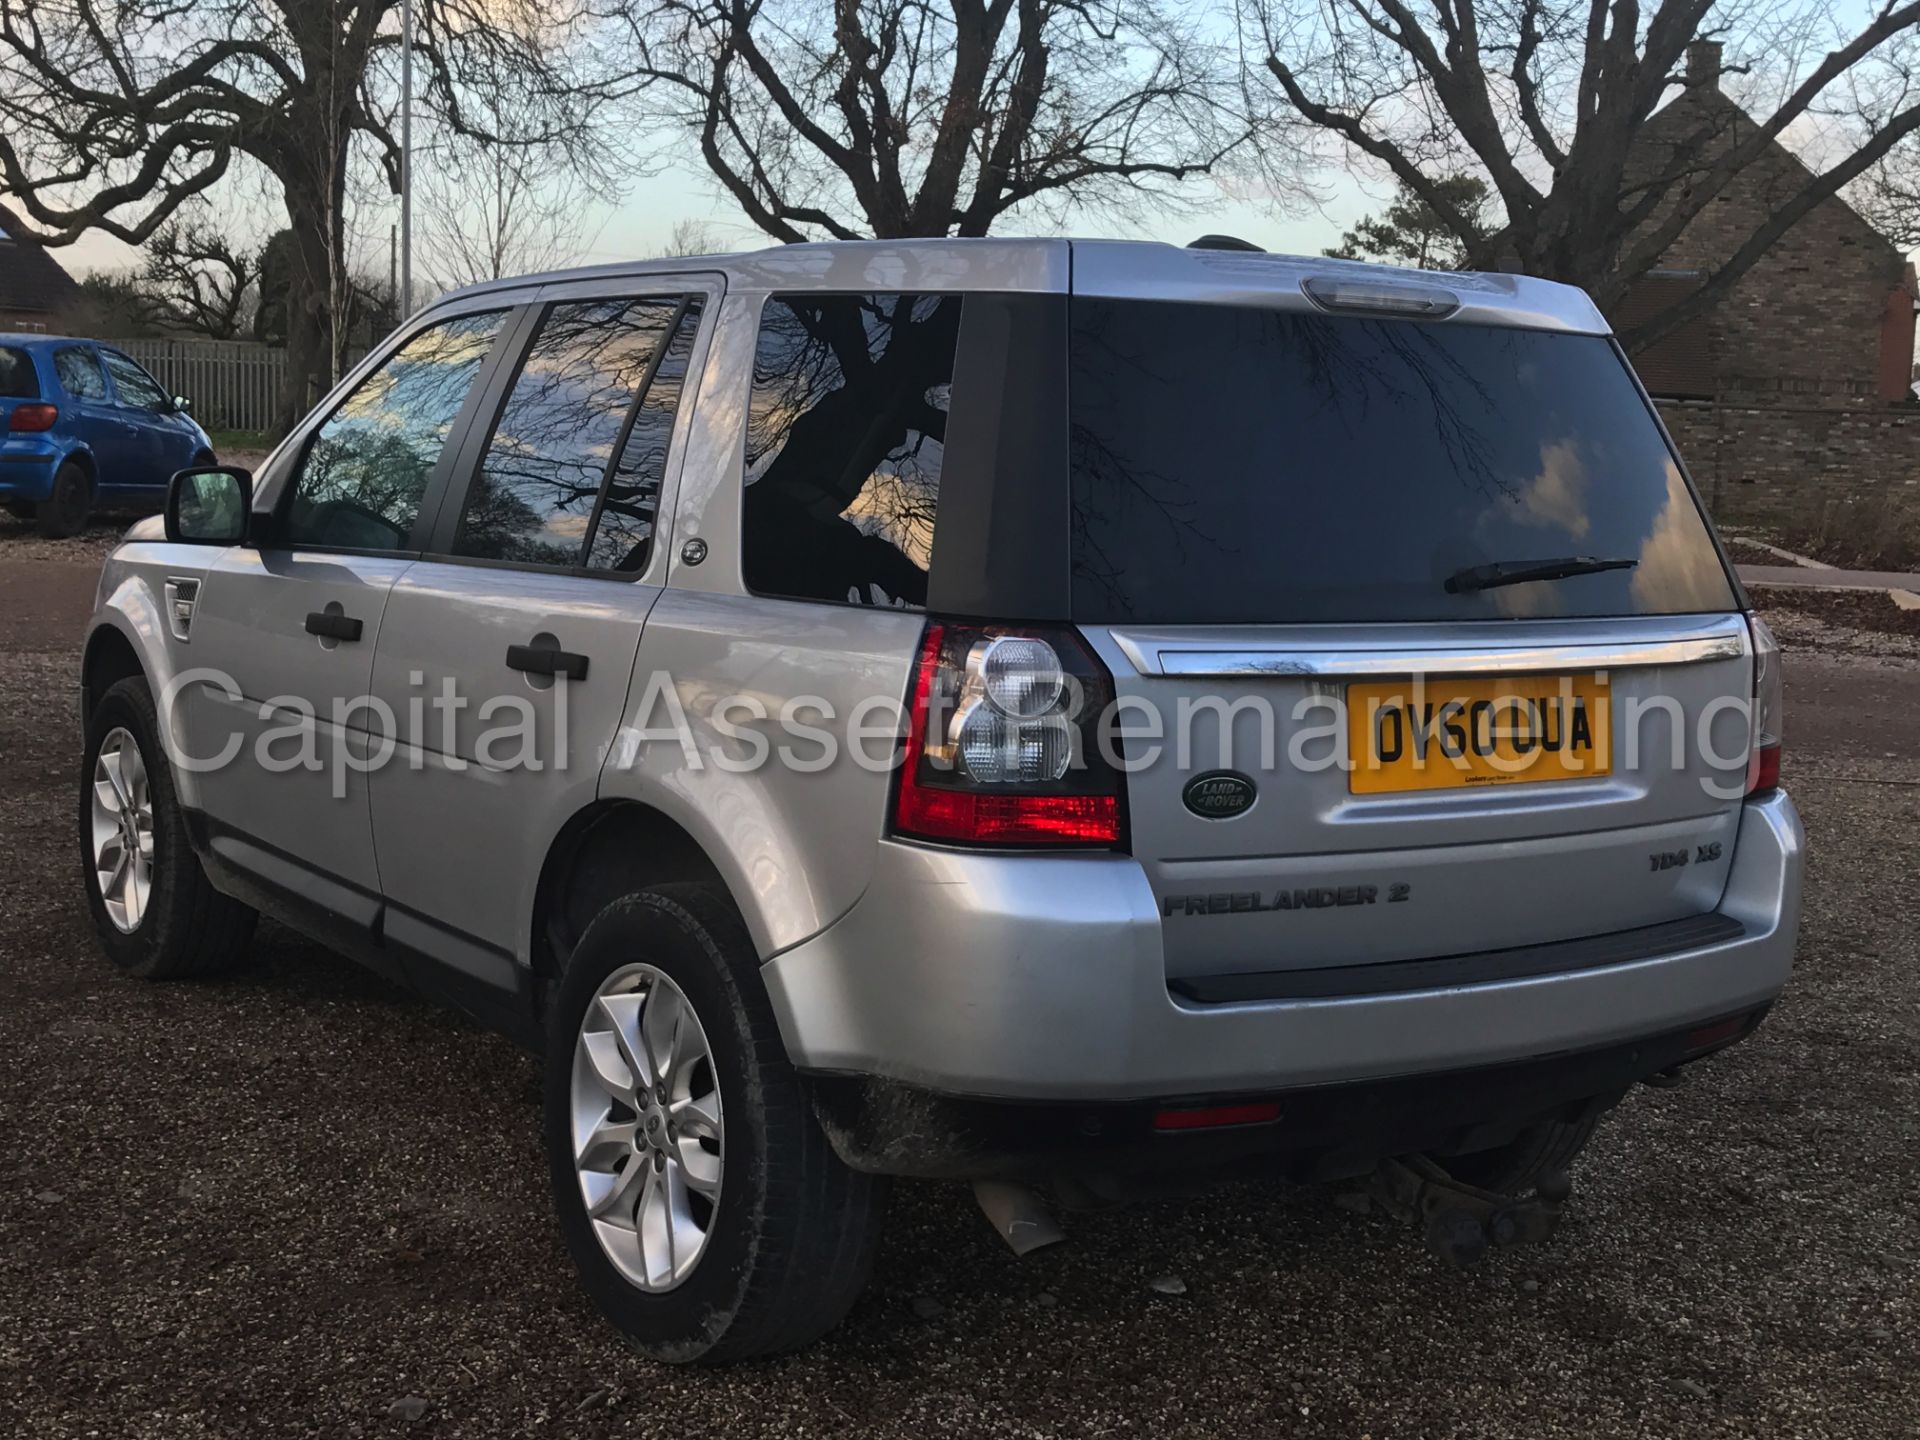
x=122, y=829
x=647, y=1135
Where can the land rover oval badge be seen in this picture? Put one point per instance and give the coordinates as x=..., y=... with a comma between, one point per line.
x=1219, y=795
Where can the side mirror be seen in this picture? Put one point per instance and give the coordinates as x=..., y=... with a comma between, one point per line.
x=182, y=405
x=209, y=505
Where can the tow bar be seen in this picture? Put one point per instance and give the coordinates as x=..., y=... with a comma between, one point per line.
x=1459, y=1221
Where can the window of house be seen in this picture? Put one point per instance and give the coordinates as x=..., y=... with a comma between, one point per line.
x=79, y=373
x=572, y=473
x=361, y=480
x=137, y=389
x=845, y=435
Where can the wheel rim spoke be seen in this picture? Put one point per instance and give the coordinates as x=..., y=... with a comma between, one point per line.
x=660, y=1027
x=699, y=1117
x=609, y=1065
x=121, y=830
x=648, y=1129
x=619, y=1192
x=617, y=1135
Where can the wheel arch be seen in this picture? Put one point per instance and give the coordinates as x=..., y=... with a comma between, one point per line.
x=109, y=658
x=83, y=457
x=606, y=850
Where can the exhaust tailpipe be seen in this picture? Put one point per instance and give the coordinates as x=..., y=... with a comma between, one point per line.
x=1018, y=1214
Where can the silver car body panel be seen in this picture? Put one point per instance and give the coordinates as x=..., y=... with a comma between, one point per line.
x=1121, y=269
x=463, y=840
x=291, y=692
x=992, y=975
x=1484, y=867
x=999, y=974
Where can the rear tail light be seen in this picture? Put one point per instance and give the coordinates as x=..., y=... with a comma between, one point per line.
x=1002, y=741
x=1763, y=759
x=32, y=419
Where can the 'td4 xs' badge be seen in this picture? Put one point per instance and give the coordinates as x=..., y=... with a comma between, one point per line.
x=1219, y=795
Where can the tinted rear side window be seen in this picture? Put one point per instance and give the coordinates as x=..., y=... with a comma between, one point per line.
x=17, y=378
x=845, y=436
x=1243, y=466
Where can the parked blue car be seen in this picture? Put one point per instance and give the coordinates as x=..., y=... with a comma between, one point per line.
x=82, y=427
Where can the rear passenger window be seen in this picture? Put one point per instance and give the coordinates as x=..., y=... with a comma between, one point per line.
x=572, y=473
x=17, y=379
x=80, y=375
x=845, y=435
x=360, y=484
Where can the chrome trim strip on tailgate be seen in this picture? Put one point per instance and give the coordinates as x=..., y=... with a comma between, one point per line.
x=1724, y=638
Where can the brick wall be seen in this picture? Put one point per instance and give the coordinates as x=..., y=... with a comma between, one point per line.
x=1809, y=323
x=1763, y=465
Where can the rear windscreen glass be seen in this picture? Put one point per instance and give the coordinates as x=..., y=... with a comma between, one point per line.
x=1235, y=465
x=17, y=380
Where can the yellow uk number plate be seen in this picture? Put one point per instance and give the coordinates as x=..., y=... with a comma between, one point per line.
x=1449, y=734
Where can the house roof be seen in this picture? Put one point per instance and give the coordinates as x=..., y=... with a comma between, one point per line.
x=31, y=281
x=1710, y=109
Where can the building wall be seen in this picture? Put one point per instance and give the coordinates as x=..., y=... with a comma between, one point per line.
x=1825, y=317
x=1773, y=464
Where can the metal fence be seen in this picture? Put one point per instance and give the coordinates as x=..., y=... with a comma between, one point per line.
x=234, y=384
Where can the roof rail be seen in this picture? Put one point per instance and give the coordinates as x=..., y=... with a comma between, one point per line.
x=1225, y=242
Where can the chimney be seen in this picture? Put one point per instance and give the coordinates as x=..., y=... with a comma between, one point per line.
x=1703, y=64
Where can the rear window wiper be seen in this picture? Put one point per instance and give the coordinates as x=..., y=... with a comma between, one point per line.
x=1519, y=572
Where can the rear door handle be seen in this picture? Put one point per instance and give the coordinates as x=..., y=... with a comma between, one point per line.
x=330, y=626
x=538, y=660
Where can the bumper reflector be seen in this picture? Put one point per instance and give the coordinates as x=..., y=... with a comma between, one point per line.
x=1213, y=1117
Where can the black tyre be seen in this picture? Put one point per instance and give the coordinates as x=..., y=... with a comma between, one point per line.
x=723, y=1225
x=1516, y=1167
x=157, y=915
x=64, y=511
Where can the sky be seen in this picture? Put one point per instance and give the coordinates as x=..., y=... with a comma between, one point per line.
x=640, y=225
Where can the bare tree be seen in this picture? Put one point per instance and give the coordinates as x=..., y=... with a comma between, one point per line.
x=488, y=211
x=195, y=278
x=694, y=237
x=1549, y=101
x=899, y=117
x=1890, y=197
x=116, y=113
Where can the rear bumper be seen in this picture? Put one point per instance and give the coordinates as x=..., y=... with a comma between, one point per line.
x=1042, y=978
x=27, y=465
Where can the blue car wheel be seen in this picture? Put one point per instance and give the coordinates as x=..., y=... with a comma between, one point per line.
x=65, y=509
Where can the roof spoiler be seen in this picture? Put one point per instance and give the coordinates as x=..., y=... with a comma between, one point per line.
x=1225, y=242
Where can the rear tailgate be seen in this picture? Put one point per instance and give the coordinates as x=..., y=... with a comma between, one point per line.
x=1319, y=871
x=1284, y=518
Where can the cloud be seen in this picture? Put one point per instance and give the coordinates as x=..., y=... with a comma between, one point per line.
x=1556, y=498
x=1678, y=571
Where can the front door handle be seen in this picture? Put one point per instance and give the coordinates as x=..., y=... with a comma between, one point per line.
x=539, y=660
x=330, y=625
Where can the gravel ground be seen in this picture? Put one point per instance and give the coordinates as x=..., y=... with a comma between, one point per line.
x=302, y=1203
x=20, y=541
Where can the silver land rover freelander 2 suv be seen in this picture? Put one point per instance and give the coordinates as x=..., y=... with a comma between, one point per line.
x=1079, y=718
